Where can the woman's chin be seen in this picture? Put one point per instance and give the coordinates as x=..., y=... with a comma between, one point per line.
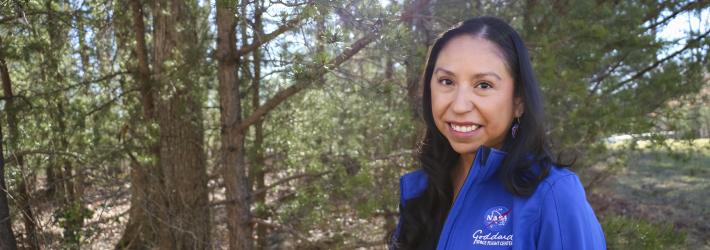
x=465, y=149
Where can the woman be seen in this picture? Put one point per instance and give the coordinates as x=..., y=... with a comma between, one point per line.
x=487, y=180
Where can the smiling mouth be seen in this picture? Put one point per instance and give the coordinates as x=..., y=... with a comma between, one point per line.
x=464, y=127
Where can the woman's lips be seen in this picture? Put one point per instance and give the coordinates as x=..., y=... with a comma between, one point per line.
x=463, y=129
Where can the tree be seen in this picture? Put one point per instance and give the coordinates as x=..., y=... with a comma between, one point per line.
x=177, y=184
x=7, y=237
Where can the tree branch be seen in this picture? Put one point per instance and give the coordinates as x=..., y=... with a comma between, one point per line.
x=607, y=71
x=13, y=156
x=692, y=5
x=287, y=179
x=284, y=94
x=654, y=65
x=271, y=36
x=108, y=103
x=413, y=10
x=275, y=184
x=286, y=4
x=86, y=82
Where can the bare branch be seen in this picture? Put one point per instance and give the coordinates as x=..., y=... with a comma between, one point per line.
x=275, y=184
x=284, y=94
x=287, y=179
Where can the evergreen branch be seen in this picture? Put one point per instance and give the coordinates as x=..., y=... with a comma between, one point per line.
x=654, y=65
x=413, y=10
x=289, y=25
x=284, y=94
x=608, y=70
x=85, y=82
x=14, y=156
x=691, y=6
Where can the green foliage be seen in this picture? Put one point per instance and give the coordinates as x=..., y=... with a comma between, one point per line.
x=70, y=219
x=628, y=233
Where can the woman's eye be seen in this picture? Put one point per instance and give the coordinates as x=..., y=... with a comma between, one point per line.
x=446, y=82
x=484, y=85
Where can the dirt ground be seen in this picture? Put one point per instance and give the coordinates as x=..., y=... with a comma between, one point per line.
x=664, y=188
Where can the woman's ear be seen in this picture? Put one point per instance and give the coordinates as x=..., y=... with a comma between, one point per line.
x=519, y=107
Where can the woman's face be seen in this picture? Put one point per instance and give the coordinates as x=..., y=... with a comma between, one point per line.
x=472, y=94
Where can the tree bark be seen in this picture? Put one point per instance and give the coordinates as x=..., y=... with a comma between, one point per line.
x=258, y=160
x=141, y=229
x=184, y=214
x=169, y=202
x=232, y=142
x=7, y=237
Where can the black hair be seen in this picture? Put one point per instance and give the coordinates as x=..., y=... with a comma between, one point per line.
x=423, y=217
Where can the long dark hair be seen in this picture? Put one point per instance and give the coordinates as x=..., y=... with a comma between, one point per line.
x=423, y=217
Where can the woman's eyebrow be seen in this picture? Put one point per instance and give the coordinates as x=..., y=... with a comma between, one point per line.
x=478, y=75
x=481, y=75
x=448, y=72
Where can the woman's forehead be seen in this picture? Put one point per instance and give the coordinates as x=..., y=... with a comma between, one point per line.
x=470, y=55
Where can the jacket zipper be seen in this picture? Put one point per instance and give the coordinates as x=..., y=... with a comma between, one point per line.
x=458, y=201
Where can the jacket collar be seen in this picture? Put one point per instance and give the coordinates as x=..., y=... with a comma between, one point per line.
x=483, y=167
x=486, y=163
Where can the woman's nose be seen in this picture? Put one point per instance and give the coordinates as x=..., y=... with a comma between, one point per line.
x=462, y=102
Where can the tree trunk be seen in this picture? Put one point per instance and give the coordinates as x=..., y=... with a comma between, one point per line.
x=185, y=202
x=169, y=202
x=414, y=64
x=232, y=147
x=7, y=237
x=23, y=200
x=258, y=162
x=146, y=179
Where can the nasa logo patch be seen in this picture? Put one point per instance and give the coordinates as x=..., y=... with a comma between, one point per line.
x=496, y=218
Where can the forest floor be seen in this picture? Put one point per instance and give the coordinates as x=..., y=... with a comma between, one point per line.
x=669, y=188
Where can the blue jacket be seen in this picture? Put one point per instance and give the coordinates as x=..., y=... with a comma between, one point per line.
x=486, y=216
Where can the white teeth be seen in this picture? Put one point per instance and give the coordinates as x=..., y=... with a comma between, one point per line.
x=464, y=129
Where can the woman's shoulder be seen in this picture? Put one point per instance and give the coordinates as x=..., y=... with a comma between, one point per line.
x=561, y=188
x=558, y=175
x=561, y=182
x=565, y=215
